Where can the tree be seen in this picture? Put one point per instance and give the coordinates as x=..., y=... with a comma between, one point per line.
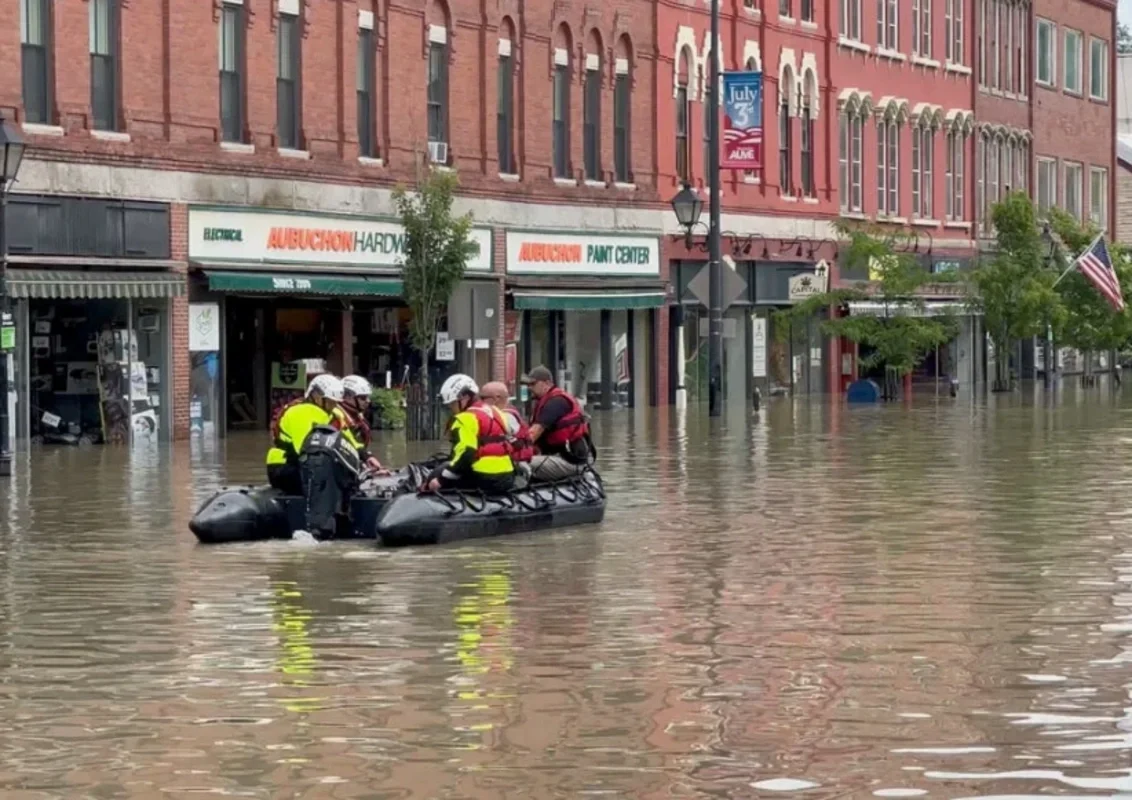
x=1123, y=39
x=437, y=248
x=1013, y=287
x=900, y=335
x=1089, y=324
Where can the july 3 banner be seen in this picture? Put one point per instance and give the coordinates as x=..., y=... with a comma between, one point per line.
x=742, y=121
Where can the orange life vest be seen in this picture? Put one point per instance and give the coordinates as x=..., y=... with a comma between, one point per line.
x=571, y=427
x=492, y=438
x=523, y=450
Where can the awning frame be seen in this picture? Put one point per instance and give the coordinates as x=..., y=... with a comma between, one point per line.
x=51, y=284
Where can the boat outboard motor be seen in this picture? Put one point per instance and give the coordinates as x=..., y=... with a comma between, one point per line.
x=330, y=467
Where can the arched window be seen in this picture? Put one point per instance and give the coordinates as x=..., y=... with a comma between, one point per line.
x=851, y=139
x=956, y=210
x=806, y=113
x=561, y=100
x=888, y=163
x=623, y=112
x=591, y=109
x=923, y=166
x=505, y=104
x=683, y=113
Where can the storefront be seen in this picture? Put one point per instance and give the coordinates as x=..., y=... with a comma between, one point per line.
x=93, y=287
x=587, y=306
x=296, y=294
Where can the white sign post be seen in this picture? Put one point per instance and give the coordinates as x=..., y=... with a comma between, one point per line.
x=445, y=347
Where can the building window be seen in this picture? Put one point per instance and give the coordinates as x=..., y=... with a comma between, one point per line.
x=1022, y=167
x=953, y=18
x=1006, y=164
x=886, y=24
x=287, y=90
x=807, y=10
x=707, y=140
x=591, y=119
x=888, y=164
x=851, y=19
x=994, y=42
x=1074, y=178
x=992, y=180
x=622, y=118
x=683, y=115
x=981, y=178
x=1008, y=17
x=784, y=8
x=35, y=57
x=505, y=110
x=982, y=34
x=1098, y=197
x=232, y=72
x=1047, y=183
x=1072, y=59
x=104, y=64
x=785, y=142
x=922, y=28
x=849, y=183
x=807, y=125
x=956, y=143
x=438, y=85
x=562, y=114
x=1047, y=57
x=1098, y=69
x=1022, y=35
x=366, y=82
x=923, y=165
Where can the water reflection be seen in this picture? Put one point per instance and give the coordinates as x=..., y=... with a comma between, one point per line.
x=813, y=600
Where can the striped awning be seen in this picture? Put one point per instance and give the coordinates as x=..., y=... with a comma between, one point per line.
x=80, y=285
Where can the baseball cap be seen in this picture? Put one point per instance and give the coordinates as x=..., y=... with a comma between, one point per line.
x=537, y=374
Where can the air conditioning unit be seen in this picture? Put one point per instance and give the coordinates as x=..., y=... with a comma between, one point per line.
x=438, y=152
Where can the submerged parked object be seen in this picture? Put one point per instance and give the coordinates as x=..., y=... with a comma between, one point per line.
x=451, y=516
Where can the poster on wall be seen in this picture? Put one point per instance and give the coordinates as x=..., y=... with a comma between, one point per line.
x=758, y=347
x=742, y=121
x=204, y=327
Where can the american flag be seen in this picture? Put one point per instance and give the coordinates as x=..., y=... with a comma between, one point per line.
x=1096, y=265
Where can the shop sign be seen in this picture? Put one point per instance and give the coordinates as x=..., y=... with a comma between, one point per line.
x=578, y=254
x=809, y=284
x=204, y=327
x=7, y=333
x=265, y=237
x=445, y=347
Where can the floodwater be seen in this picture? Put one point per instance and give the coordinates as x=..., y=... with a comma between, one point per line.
x=818, y=602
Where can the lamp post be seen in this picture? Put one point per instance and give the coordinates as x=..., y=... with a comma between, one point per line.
x=11, y=154
x=688, y=207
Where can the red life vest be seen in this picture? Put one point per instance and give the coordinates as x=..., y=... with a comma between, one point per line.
x=523, y=448
x=571, y=427
x=493, y=438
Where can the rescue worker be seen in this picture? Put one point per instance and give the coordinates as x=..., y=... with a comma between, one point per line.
x=560, y=430
x=481, y=454
x=522, y=449
x=290, y=431
x=353, y=408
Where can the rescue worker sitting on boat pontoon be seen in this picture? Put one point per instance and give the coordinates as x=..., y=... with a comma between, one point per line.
x=293, y=426
x=339, y=417
x=352, y=411
x=559, y=429
x=481, y=452
x=522, y=449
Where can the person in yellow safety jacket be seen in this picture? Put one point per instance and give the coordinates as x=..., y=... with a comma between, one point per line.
x=481, y=447
x=323, y=395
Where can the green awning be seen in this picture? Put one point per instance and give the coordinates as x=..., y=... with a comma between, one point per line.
x=586, y=301
x=302, y=283
x=77, y=284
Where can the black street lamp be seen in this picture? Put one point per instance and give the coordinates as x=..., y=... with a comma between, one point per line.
x=11, y=154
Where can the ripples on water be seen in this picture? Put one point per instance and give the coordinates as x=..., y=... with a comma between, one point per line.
x=891, y=602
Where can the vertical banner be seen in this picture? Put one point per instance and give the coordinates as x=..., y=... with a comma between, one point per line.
x=742, y=121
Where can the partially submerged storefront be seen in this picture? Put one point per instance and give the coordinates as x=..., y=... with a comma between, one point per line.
x=297, y=293
x=587, y=306
x=93, y=286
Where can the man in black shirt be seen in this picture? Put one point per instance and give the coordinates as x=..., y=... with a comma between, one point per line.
x=559, y=430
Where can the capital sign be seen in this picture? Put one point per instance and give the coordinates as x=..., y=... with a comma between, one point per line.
x=807, y=284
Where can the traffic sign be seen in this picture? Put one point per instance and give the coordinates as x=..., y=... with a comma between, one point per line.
x=733, y=286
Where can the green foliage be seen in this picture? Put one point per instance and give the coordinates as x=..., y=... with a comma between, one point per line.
x=389, y=408
x=1123, y=39
x=1089, y=323
x=437, y=248
x=900, y=335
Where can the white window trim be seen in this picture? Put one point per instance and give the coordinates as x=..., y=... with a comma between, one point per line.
x=1052, y=173
x=1052, y=82
x=1066, y=167
x=1093, y=171
x=1080, y=90
x=1104, y=74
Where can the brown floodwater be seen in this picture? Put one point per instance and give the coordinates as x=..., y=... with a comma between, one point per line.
x=816, y=602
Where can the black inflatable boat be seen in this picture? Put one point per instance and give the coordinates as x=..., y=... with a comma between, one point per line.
x=391, y=509
x=439, y=518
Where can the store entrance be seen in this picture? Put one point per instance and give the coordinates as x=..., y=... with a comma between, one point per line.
x=96, y=370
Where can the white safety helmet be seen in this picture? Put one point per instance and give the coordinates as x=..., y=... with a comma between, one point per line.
x=457, y=385
x=328, y=386
x=357, y=386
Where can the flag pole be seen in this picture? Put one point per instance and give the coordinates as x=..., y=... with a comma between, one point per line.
x=1073, y=265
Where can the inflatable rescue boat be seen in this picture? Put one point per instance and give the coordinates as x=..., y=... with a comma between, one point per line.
x=391, y=509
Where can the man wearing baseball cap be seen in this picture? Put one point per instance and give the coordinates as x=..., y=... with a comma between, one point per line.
x=560, y=430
